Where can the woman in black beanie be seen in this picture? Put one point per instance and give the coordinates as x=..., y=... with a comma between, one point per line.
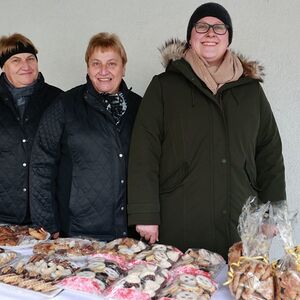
x=24, y=96
x=204, y=140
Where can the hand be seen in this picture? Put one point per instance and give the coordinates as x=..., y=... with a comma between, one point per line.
x=55, y=235
x=148, y=232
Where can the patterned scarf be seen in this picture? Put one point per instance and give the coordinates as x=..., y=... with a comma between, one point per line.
x=115, y=104
x=229, y=70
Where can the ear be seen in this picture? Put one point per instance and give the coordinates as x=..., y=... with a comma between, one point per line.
x=124, y=70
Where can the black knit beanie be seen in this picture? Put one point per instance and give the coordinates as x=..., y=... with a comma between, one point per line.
x=19, y=48
x=210, y=9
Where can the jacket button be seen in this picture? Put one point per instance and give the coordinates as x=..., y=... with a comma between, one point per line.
x=122, y=208
x=26, y=119
x=24, y=141
x=120, y=155
x=122, y=181
x=224, y=161
x=24, y=164
x=124, y=233
x=24, y=189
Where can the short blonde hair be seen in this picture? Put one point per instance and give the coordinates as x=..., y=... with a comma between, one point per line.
x=105, y=41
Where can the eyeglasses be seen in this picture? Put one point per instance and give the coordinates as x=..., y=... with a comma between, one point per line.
x=217, y=28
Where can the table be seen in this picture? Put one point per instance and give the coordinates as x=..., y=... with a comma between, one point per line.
x=13, y=293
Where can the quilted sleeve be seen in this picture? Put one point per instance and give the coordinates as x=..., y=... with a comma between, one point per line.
x=43, y=168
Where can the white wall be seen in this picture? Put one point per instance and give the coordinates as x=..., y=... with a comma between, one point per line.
x=264, y=30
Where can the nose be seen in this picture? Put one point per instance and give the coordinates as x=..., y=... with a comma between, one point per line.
x=25, y=65
x=103, y=70
x=210, y=32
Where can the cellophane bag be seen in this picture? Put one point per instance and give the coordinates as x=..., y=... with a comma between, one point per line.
x=287, y=269
x=202, y=259
x=164, y=256
x=250, y=277
x=97, y=274
x=141, y=282
x=188, y=282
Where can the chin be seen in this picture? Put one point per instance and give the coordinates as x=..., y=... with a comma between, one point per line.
x=103, y=89
x=28, y=81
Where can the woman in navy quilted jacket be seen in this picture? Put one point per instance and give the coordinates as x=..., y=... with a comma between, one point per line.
x=79, y=159
x=24, y=96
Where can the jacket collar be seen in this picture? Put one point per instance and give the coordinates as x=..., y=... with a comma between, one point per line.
x=173, y=50
x=91, y=96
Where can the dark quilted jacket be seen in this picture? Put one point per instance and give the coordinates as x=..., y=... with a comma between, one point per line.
x=16, y=137
x=79, y=166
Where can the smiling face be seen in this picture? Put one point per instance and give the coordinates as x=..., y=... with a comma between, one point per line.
x=21, y=69
x=105, y=70
x=209, y=45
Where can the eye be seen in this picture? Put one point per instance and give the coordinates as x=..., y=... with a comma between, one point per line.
x=201, y=27
x=31, y=58
x=220, y=28
x=15, y=60
x=95, y=63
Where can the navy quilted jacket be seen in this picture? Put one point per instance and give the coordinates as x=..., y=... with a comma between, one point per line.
x=79, y=166
x=16, y=137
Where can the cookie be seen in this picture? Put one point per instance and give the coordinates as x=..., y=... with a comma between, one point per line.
x=188, y=280
x=186, y=295
x=86, y=274
x=173, y=255
x=205, y=283
x=159, y=247
x=159, y=255
x=96, y=266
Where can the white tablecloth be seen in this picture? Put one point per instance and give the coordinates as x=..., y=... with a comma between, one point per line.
x=12, y=293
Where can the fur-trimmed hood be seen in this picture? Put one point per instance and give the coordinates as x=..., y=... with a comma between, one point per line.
x=173, y=49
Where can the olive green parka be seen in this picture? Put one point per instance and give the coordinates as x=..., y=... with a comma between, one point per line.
x=196, y=157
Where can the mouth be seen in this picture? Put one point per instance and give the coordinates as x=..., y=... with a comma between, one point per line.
x=104, y=79
x=209, y=43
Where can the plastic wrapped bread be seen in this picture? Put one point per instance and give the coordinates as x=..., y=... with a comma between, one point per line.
x=250, y=277
x=287, y=271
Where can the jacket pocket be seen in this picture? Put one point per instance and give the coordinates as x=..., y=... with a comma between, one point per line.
x=250, y=177
x=173, y=181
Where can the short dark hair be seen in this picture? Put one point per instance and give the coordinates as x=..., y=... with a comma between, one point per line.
x=14, y=44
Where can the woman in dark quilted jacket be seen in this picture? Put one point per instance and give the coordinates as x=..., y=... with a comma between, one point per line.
x=24, y=96
x=79, y=159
